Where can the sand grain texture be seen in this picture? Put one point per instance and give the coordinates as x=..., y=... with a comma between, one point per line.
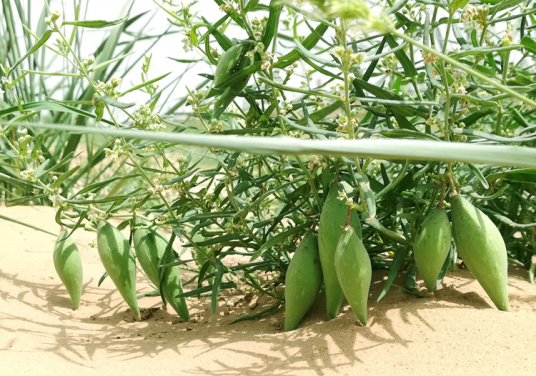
x=454, y=332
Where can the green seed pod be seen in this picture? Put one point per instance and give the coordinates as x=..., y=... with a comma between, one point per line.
x=432, y=245
x=227, y=63
x=482, y=249
x=303, y=281
x=99, y=108
x=118, y=260
x=150, y=245
x=69, y=266
x=332, y=219
x=231, y=62
x=354, y=272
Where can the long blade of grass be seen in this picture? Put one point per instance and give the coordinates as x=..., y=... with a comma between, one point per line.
x=499, y=155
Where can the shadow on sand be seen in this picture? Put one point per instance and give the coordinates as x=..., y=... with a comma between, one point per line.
x=256, y=346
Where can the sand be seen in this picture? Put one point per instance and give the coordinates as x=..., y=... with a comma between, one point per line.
x=455, y=331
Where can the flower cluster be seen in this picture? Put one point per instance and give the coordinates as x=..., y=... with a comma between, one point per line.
x=29, y=175
x=156, y=189
x=287, y=21
x=147, y=120
x=184, y=18
x=57, y=201
x=459, y=82
x=266, y=57
x=259, y=25
x=54, y=16
x=109, y=89
x=483, y=13
x=344, y=197
x=429, y=58
x=317, y=161
x=346, y=121
x=348, y=56
x=233, y=228
x=319, y=102
x=475, y=17
x=187, y=40
x=287, y=106
x=435, y=122
x=338, y=87
x=290, y=69
x=63, y=47
x=267, y=60
x=22, y=143
x=116, y=151
x=215, y=126
x=229, y=5
x=183, y=188
x=182, y=163
x=5, y=82
x=87, y=62
x=389, y=63
x=413, y=12
x=195, y=98
x=469, y=13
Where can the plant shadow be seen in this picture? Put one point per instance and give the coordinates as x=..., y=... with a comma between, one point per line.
x=258, y=346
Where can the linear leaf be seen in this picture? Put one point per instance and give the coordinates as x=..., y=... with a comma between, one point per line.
x=498, y=155
x=275, y=240
x=34, y=48
x=114, y=103
x=96, y=24
x=400, y=255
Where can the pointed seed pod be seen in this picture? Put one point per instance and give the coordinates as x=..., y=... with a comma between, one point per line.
x=482, y=249
x=303, y=281
x=118, y=260
x=150, y=245
x=227, y=62
x=232, y=61
x=354, y=272
x=68, y=265
x=332, y=219
x=432, y=245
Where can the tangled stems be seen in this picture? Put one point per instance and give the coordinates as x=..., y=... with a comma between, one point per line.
x=349, y=125
x=261, y=202
x=499, y=86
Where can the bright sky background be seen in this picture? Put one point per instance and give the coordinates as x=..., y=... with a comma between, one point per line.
x=155, y=23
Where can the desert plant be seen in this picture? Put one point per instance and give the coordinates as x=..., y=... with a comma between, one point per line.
x=403, y=104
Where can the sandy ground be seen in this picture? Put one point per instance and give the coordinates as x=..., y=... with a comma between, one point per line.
x=454, y=332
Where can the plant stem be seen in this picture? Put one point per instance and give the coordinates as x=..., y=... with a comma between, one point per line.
x=449, y=25
x=447, y=103
x=445, y=58
x=506, y=62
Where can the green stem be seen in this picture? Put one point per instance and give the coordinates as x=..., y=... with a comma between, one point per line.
x=311, y=181
x=449, y=25
x=498, y=124
x=465, y=68
x=447, y=103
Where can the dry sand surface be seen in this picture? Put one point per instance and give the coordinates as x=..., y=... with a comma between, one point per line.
x=455, y=332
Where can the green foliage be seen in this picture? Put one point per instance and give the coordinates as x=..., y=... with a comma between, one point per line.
x=402, y=109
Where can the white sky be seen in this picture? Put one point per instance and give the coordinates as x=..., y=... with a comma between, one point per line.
x=155, y=23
